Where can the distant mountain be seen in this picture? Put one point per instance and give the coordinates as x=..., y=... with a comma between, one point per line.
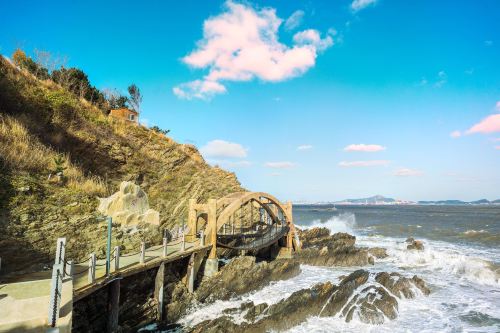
x=381, y=200
x=375, y=200
x=460, y=202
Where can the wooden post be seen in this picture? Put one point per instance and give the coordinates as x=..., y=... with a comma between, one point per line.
x=113, y=305
x=165, y=246
x=55, y=294
x=183, y=243
x=92, y=262
x=117, y=258
x=212, y=222
x=159, y=290
x=142, y=256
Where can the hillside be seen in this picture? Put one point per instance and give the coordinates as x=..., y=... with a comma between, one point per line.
x=40, y=121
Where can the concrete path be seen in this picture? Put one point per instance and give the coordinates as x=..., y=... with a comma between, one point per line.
x=24, y=305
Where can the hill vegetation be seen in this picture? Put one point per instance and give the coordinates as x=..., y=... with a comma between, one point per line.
x=59, y=151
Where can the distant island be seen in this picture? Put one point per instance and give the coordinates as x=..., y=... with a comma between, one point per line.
x=381, y=200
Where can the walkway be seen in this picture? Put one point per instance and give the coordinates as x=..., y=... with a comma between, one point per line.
x=24, y=305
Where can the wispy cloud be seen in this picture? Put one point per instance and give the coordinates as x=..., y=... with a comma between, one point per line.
x=358, y=5
x=242, y=44
x=469, y=71
x=280, y=165
x=200, y=89
x=455, y=134
x=364, y=148
x=442, y=79
x=354, y=164
x=304, y=147
x=221, y=148
x=295, y=20
x=497, y=147
x=488, y=42
x=406, y=172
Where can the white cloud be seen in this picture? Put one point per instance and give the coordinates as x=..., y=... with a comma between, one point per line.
x=353, y=164
x=357, y=5
x=280, y=165
x=295, y=20
x=455, y=134
x=221, y=148
x=364, y=148
x=311, y=37
x=241, y=44
x=442, y=78
x=198, y=89
x=488, y=42
x=488, y=125
x=304, y=147
x=406, y=172
x=469, y=71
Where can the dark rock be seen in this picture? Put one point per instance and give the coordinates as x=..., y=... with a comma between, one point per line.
x=416, y=245
x=255, y=311
x=410, y=240
x=242, y=275
x=400, y=285
x=378, y=252
x=354, y=296
x=322, y=249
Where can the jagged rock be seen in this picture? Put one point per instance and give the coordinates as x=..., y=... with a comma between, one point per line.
x=378, y=252
x=242, y=275
x=129, y=206
x=400, y=285
x=354, y=296
x=322, y=249
x=254, y=311
x=410, y=240
x=416, y=245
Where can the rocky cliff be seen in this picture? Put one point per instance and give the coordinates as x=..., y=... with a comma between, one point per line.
x=45, y=129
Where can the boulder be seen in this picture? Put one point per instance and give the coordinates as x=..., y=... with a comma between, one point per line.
x=378, y=252
x=322, y=249
x=129, y=206
x=415, y=245
x=401, y=286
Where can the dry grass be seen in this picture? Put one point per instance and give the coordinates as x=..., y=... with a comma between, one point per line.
x=94, y=186
x=20, y=150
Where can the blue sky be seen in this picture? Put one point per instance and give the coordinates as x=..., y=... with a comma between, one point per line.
x=387, y=97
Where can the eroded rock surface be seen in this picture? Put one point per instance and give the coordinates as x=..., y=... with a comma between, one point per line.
x=244, y=274
x=129, y=206
x=322, y=249
x=371, y=299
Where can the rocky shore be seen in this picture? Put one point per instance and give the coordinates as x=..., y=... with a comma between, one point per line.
x=369, y=297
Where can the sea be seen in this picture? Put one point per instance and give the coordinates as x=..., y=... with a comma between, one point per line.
x=460, y=264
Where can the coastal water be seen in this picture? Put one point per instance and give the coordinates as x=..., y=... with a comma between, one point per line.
x=460, y=263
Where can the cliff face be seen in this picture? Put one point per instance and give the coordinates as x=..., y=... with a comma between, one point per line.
x=41, y=122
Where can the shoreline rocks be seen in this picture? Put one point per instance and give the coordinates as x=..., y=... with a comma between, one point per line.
x=319, y=248
x=356, y=295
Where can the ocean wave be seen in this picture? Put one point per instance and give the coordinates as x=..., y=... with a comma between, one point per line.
x=344, y=222
x=475, y=232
